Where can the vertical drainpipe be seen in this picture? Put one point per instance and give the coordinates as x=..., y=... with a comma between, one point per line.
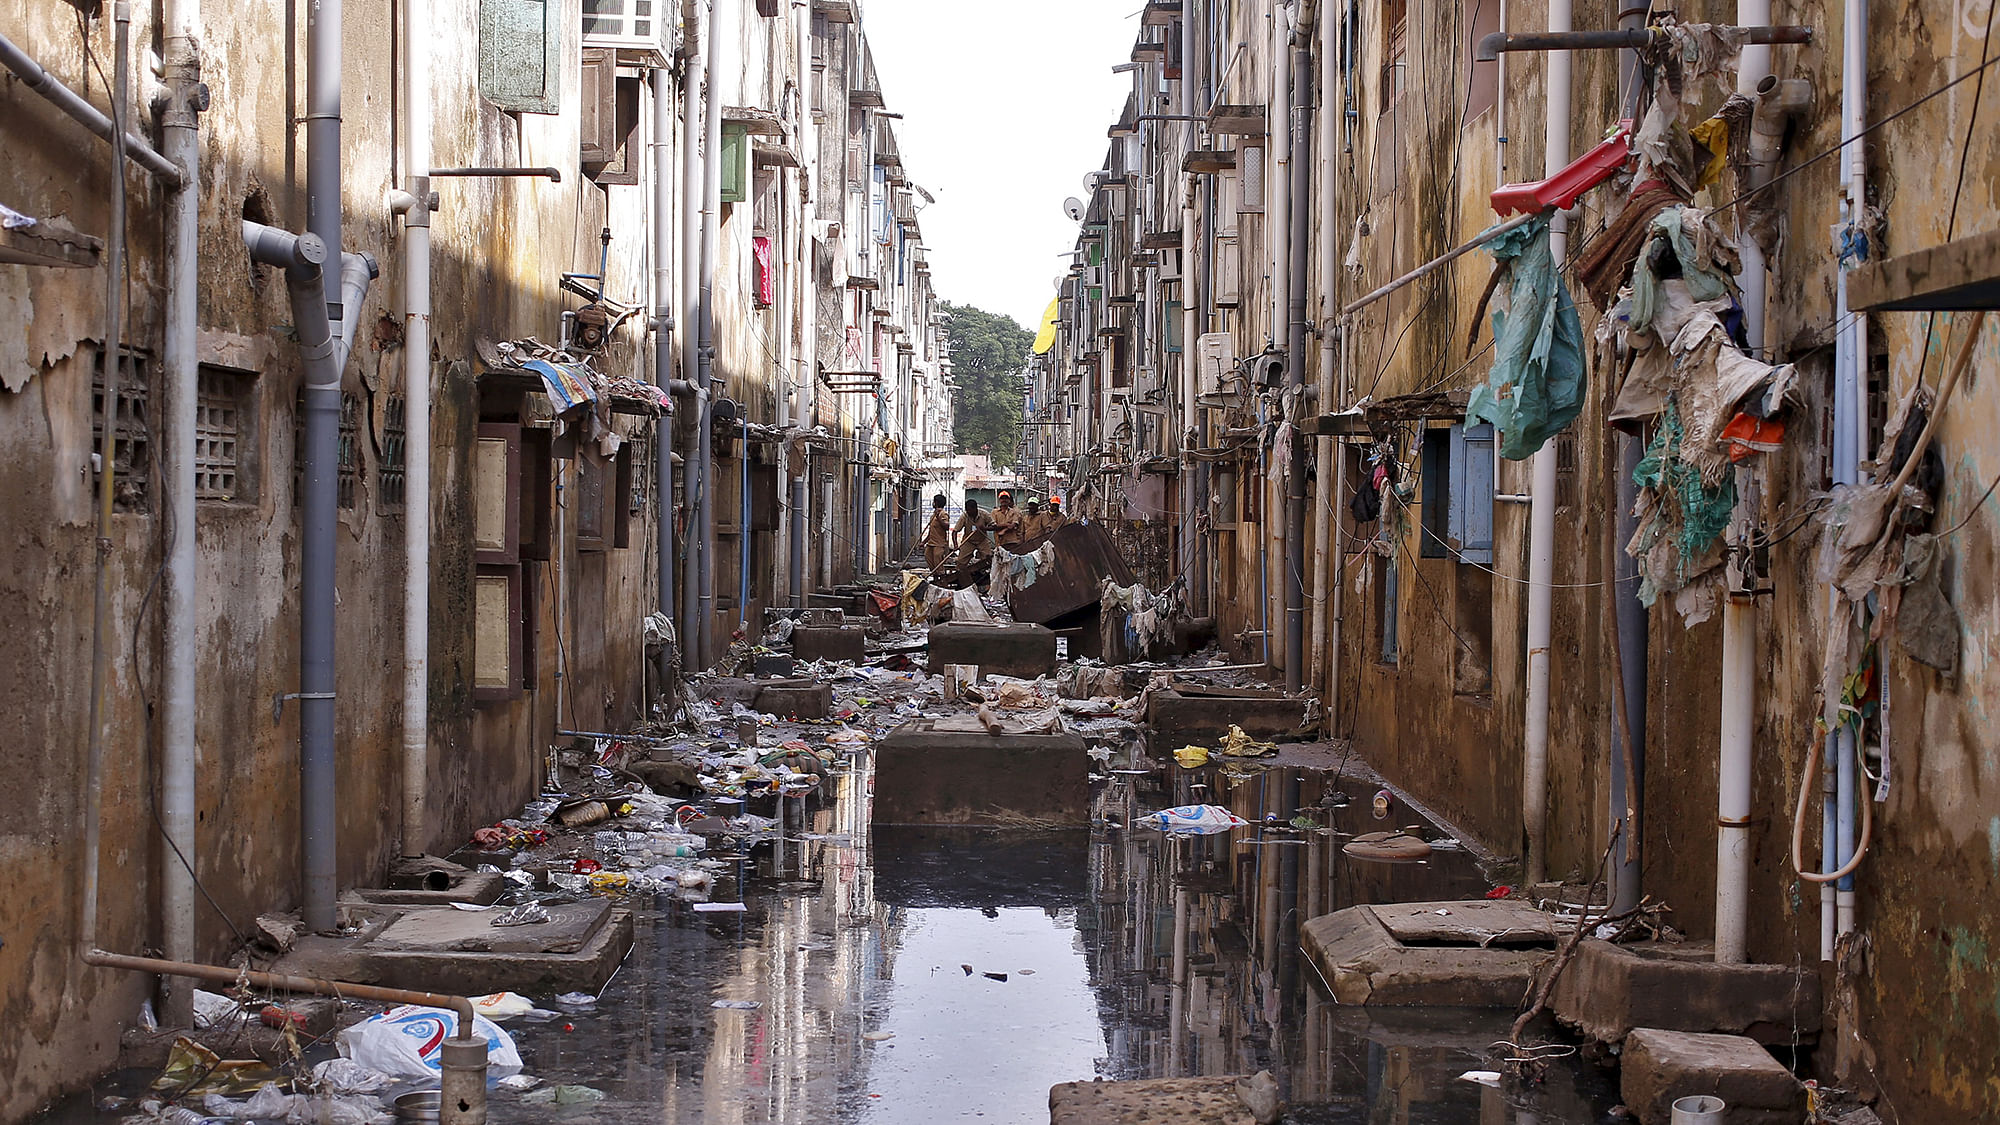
x=1628, y=791
x=417, y=430
x=1299, y=212
x=1739, y=611
x=1850, y=423
x=1331, y=479
x=321, y=427
x=180, y=144
x=804, y=311
x=711, y=232
x=662, y=81
x=1542, y=504
x=692, y=181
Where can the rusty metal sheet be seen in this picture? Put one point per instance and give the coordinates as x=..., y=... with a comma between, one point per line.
x=1085, y=555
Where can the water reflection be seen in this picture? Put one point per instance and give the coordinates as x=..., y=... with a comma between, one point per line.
x=1126, y=954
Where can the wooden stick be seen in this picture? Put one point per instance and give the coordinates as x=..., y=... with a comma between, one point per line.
x=1568, y=950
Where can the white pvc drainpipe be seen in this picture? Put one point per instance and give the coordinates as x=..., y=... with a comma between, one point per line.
x=417, y=432
x=1739, y=621
x=1542, y=505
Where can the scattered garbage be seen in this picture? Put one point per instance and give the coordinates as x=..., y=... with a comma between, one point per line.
x=194, y=1069
x=526, y=914
x=577, y=1000
x=1482, y=1078
x=1386, y=846
x=345, y=1076
x=214, y=1010
x=878, y=1036
x=518, y=1082
x=405, y=1042
x=502, y=1005
x=1193, y=820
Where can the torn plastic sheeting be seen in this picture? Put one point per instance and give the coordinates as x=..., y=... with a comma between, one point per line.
x=1193, y=820
x=1703, y=257
x=1536, y=386
x=1713, y=377
x=1680, y=517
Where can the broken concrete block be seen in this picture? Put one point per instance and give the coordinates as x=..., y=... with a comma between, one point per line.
x=1026, y=651
x=1477, y=954
x=441, y=949
x=726, y=691
x=1186, y=712
x=774, y=665
x=1153, y=1101
x=278, y=932
x=830, y=642
x=1607, y=990
x=951, y=771
x=1659, y=1066
x=796, y=699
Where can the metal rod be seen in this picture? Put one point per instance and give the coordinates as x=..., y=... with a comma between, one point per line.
x=1478, y=240
x=85, y=114
x=1491, y=47
x=285, y=982
x=553, y=175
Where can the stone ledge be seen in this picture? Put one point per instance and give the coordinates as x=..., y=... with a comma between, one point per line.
x=1608, y=990
x=1660, y=1066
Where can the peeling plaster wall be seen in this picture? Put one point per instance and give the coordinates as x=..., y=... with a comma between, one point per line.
x=499, y=248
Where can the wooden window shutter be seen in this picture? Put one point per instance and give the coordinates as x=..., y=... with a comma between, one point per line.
x=597, y=108
x=1472, y=492
x=735, y=162
x=496, y=491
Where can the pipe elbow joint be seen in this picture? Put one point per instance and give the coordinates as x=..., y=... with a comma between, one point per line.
x=1779, y=101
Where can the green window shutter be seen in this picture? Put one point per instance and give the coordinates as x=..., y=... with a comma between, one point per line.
x=520, y=54
x=735, y=163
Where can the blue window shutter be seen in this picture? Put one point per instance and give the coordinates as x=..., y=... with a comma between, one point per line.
x=1472, y=492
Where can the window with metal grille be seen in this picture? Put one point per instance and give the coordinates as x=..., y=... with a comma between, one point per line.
x=1566, y=470
x=131, y=449
x=389, y=473
x=224, y=429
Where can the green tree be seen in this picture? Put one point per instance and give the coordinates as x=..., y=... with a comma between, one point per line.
x=989, y=358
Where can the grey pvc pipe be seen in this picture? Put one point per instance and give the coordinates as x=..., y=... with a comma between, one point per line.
x=692, y=187
x=85, y=114
x=798, y=583
x=177, y=726
x=663, y=332
x=720, y=15
x=1491, y=47
x=1295, y=361
x=1632, y=624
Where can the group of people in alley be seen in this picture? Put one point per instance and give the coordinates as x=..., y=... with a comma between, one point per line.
x=971, y=541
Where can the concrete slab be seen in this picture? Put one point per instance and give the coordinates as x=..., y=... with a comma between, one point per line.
x=1477, y=954
x=1659, y=1066
x=950, y=771
x=1185, y=712
x=1608, y=990
x=796, y=699
x=1154, y=1101
x=830, y=642
x=569, y=928
x=440, y=950
x=1020, y=650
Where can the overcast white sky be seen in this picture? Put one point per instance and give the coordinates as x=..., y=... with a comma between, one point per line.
x=1004, y=110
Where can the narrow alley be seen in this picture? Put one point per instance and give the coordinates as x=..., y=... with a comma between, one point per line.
x=877, y=561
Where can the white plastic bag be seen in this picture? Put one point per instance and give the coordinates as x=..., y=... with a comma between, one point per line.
x=404, y=1041
x=1197, y=820
x=502, y=1005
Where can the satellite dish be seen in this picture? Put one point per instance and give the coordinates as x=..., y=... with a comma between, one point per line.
x=1091, y=181
x=1073, y=207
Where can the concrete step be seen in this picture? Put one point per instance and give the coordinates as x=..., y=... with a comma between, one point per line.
x=1659, y=1066
x=1185, y=713
x=951, y=771
x=1020, y=650
x=1476, y=954
x=1154, y=1101
x=1608, y=990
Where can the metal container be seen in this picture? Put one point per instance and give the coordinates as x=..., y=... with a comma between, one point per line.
x=420, y=1108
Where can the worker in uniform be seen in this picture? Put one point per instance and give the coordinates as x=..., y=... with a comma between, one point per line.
x=1054, y=517
x=1007, y=522
x=1034, y=524
x=973, y=544
x=937, y=534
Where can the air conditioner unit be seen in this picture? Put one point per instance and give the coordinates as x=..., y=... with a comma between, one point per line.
x=1215, y=360
x=647, y=28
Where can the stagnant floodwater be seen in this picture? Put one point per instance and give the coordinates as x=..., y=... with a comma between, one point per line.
x=907, y=976
x=875, y=963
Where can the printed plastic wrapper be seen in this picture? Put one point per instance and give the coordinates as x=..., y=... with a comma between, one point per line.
x=502, y=1005
x=405, y=1041
x=1193, y=820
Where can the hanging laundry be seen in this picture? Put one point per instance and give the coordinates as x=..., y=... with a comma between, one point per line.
x=1536, y=385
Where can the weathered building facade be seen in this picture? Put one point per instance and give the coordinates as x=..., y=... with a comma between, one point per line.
x=563, y=162
x=1841, y=206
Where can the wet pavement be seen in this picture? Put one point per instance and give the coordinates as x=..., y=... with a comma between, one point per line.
x=917, y=975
